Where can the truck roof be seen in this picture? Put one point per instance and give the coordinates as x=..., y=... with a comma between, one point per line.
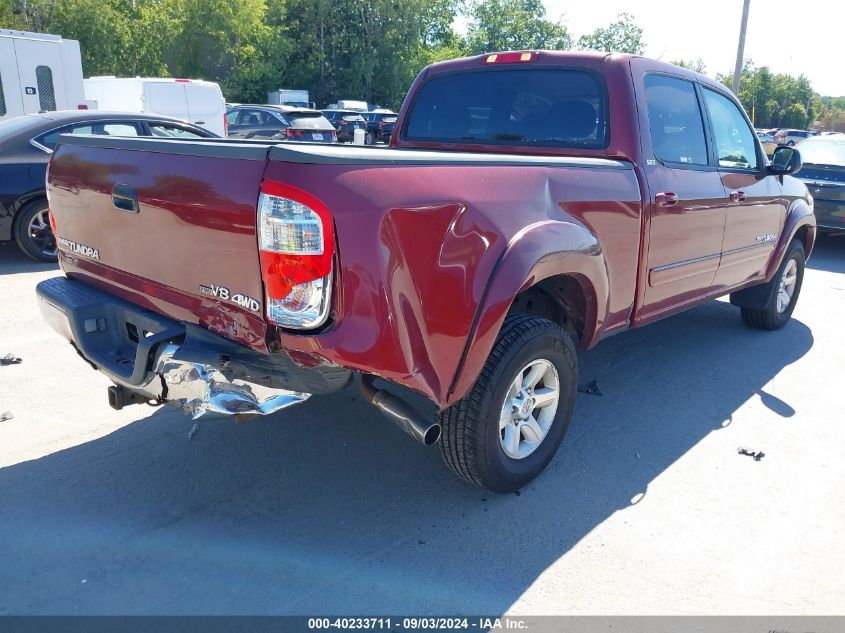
x=616, y=70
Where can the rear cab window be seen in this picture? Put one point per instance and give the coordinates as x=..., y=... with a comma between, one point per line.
x=539, y=107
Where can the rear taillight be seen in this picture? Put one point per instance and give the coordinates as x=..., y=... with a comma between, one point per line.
x=225, y=126
x=292, y=134
x=296, y=244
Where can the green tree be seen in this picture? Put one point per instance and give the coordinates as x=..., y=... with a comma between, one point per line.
x=224, y=41
x=103, y=30
x=794, y=116
x=501, y=25
x=622, y=36
x=10, y=17
x=27, y=15
x=695, y=65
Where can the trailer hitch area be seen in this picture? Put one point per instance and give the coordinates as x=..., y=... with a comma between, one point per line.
x=201, y=388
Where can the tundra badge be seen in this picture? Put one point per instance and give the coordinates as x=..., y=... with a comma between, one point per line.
x=769, y=237
x=79, y=249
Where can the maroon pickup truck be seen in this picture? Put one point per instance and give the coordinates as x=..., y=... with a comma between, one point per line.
x=529, y=203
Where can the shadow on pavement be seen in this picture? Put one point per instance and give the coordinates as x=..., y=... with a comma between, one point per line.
x=13, y=260
x=829, y=253
x=326, y=507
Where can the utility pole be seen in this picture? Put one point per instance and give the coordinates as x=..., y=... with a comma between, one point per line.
x=741, y=48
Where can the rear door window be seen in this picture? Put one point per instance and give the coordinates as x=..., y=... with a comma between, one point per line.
x=166, y=130
x=531, y=107
x=674, y=118
x=118, y=129
x=50, y=139
x=46, y=88
x=255, y=117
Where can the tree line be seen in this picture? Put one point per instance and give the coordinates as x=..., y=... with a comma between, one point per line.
x=366, y=49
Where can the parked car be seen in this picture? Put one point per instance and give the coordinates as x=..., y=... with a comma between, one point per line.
x=513, y=226
x=824, y=174
x=26, y=145
x=791, y=137
x=345, y=122
x=768, y=142
x=279, y=122
x=39, y=73
x=380, y=124
x=193, y=100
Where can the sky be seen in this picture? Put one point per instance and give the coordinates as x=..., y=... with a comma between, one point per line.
x=788, y=36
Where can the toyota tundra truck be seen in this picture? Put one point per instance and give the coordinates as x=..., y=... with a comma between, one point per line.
x=530, y=203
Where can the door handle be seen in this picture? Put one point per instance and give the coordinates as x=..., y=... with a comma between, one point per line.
x=737, y=196
x=666, y=199
x=125, y=198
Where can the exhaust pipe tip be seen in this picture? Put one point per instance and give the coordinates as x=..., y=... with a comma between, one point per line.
x=432, y=435
x=400, y=412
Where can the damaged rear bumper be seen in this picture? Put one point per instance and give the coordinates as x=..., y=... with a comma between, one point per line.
x=157, y=359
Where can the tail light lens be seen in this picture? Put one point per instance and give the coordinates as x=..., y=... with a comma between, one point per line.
x=225, y=126
x=296, y=245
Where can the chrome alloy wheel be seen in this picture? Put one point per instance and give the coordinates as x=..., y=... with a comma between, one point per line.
x=786, y=287
x=529, y=409
x=41, y=233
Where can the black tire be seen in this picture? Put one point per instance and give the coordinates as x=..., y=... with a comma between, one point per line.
x=791, y=144
x=769, y=318
x=470, y=441
x=40, y=247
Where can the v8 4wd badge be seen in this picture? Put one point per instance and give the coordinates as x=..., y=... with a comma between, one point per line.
x=222, y=292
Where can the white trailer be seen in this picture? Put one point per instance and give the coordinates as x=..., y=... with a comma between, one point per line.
x=39, y=73
x=289, y=97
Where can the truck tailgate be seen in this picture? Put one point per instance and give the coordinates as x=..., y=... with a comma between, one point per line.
x=165, y=224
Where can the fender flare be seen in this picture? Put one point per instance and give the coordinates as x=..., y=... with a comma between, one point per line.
x=537, y=252
x=799, y=215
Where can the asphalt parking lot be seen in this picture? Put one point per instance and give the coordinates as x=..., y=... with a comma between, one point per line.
x=325, y=507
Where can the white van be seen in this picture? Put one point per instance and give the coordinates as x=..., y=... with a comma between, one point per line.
x=349, y=104
x=39, y=73
x=198, y=102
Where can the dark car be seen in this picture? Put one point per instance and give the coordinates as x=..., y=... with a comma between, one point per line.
x=824, y=174
x=279, y=122
x=26, y=144
x=346, y=122
x=380, y=125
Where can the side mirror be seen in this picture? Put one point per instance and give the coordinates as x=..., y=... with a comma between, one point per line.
x=785, y=160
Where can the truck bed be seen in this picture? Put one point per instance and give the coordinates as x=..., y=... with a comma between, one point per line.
x=419, y=236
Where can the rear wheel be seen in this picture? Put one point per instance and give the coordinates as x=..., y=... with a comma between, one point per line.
x=783, y=293
x=507, y=429
x=33, y=232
